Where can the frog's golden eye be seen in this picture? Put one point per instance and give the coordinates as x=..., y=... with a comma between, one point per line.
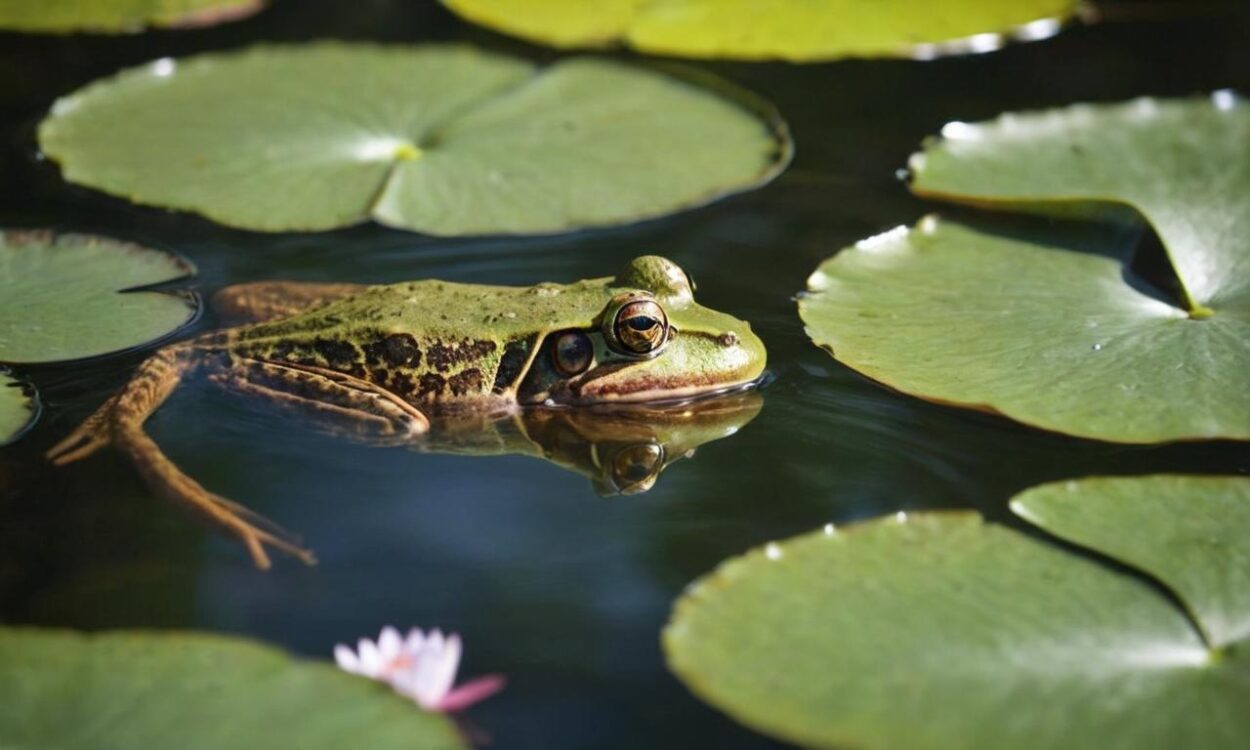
x=640, y=327
x=635, y=467
x=572, y=353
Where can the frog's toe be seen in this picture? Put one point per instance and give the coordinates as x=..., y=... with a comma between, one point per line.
x=256, y=532
x=256, y=539
x=75, y=448
x=90, y=436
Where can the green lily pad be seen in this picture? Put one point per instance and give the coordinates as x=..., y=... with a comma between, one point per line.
x=59, y=296
x=438, y=139
x=141, y=690
x=18, y=409
x=1047, y=326
x=1181, y=163
x=939, y=630
x=1195, y=548
x=118, y=16
x=795, y=30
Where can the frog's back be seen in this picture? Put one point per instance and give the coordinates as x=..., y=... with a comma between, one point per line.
x=435, y=343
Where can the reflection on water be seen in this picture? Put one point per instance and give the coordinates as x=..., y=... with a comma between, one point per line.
x=621, y=449
x=563, y=590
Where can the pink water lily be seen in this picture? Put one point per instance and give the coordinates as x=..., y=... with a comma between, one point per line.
x=419, y=666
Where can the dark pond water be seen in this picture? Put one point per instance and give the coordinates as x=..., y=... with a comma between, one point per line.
x=562, y=590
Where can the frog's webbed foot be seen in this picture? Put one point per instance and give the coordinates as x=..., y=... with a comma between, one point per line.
x=259, y=301
x=120, y=422
x=338, y=403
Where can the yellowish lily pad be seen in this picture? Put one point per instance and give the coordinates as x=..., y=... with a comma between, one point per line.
x=118, y=16
x=445, y=140
x=154, y=691
x=795, y=30
x=939, y=630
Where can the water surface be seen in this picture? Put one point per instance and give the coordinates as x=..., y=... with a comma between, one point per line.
x=562, y=590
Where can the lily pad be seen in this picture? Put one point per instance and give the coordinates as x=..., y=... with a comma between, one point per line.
x=1048, y=326
x=1183, y=164
x=18, y=409
x=939, y=630
x=141, y=690
x=795, y=30
x=1194, y=547
x=59, y=296
x=445, y=140
x=118, y=16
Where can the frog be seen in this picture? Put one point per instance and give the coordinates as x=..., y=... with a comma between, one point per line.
x=398, y=363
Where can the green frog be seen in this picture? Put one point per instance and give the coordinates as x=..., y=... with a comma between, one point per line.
x=401, y=362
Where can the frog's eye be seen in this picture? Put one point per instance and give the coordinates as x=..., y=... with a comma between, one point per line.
x=635, y=467
x=572, y=353
x=639, y=328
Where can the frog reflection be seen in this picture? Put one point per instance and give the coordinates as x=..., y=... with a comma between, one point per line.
x=623, y=450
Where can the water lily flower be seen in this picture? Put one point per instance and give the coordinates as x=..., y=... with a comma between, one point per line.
x=419, y=666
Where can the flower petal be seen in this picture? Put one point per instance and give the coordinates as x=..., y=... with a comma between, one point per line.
x=427, y=671
x=443, y=671
x=346, y=659
x=389, y=644
x=370, y=659
x=471, y=692
x=415, y=640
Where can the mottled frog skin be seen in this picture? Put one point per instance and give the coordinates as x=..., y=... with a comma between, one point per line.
x=444, y=346
x=398, y=360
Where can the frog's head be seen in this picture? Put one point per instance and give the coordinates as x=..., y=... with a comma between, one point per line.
x=648, y=341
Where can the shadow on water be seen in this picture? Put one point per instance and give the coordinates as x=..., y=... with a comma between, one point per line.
x=561, y=589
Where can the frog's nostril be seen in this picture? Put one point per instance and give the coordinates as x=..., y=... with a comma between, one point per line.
x=728, y=339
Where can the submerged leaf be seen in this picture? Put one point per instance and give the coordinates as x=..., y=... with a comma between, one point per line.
x=795, y=30
x=437, y=139
x=18, y=409
x=938, y=630
x=147, y=690
x=118, y=16
x=1048, y=325
x=60, y=300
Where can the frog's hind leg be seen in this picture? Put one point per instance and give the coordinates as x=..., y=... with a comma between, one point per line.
x=338, y=403
x=259, y=301
x=120, y=422
x=152, y=383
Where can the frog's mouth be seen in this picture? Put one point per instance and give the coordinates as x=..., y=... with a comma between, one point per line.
x=603, y=389
x=654, y=391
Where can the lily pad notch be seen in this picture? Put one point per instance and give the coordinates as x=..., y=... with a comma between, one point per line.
x=938, y=629
x=69, y=297
x=1042, y=322
x=445, y=140
x=1180, y=164
x=66, y=297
